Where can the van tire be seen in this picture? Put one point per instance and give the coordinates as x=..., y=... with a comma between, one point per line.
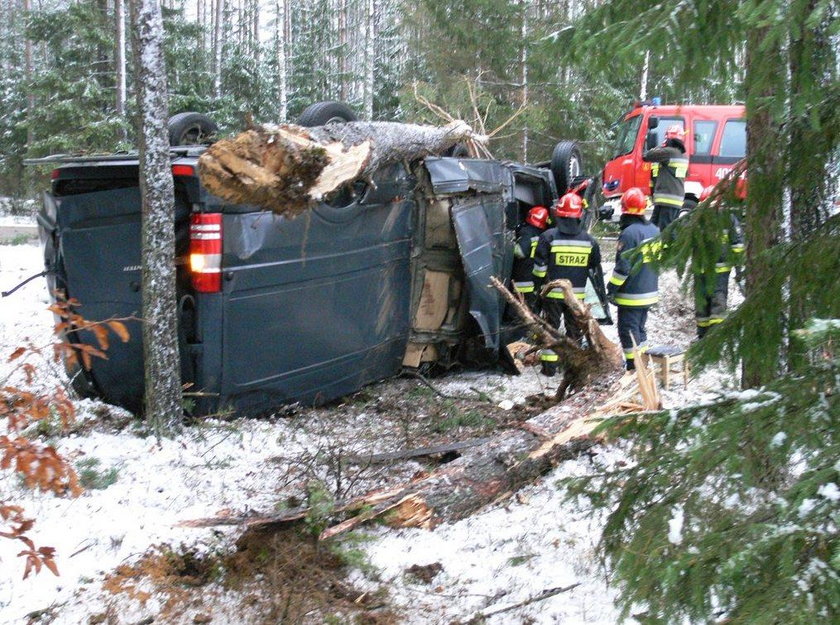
x=191, y=129
x=566, y=164
x=323, y=113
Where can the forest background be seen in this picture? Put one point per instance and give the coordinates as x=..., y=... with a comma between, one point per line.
x=67, y=74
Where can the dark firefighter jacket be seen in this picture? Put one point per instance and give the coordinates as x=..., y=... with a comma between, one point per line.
x=523, y=258
x=566, y=251
x=633, y=285
x=670, y=164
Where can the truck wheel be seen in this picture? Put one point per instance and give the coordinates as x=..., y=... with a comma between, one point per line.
x=191, y=129
x=323, y=113
x=566, y=164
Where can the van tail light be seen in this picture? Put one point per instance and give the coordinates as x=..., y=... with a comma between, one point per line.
x=206, y=252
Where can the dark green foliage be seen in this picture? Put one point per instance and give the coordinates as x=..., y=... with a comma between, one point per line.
x=74, y=85
x=731, y=510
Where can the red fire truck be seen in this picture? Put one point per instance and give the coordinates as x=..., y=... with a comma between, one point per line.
x=715, y=140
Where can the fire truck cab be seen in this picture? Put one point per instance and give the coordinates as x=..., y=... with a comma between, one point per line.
x=715, y=140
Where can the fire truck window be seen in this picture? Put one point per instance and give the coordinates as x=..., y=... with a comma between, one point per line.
x=734, y=140
x=664, y=124
x=704, y=132
x=626, y=137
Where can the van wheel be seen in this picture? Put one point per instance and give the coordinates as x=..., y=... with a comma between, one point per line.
x=323, y=113
x=566, y=164
x=191, y=129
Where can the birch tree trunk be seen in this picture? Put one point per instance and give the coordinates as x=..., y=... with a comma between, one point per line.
x=281, y=34
x=523, y=61
x=370, y=35
x=30, y=98
x=160, y=343
x=119, y=56
x=217, y=49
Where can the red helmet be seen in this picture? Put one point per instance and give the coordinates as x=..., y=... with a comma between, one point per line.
x=706, y=193
x=570, y=205
x=538, y=217
x=634, y=201
x=675, y=131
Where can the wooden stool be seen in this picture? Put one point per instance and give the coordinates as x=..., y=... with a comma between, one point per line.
x=666, y=356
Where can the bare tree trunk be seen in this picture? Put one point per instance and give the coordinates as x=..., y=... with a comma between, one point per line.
x=523, y=63
x=119, y=19
x=343, y=49
x=217, y=49
x=160, y=342
x=280, y=33
x=763, y=220
x=370, y=35
x=30, y=97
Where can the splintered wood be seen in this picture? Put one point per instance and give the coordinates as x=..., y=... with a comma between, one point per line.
x=286, y=168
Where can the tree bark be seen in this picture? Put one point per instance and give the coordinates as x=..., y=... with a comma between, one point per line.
x=281, y=38
x=160, y=344
x=286, y=168
x=119, y=60
x=765, y=168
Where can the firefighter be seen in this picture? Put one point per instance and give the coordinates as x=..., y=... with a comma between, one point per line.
x=523, y=255
x=633, y=286
x=710, y=299
x=668, y=170
x=564, y=251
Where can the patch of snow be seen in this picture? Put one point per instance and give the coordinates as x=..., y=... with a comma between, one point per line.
x=675, y=526
x=830, y=491
x=806, y=507
x=501, y=556
x=779, y=439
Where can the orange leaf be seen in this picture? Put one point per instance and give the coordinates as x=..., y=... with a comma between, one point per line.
x=101, y=336
x=20, y=351
x=118, y=327
x=50, y=564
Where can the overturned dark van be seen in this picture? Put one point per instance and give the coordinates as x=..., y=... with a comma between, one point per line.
x=394, y=274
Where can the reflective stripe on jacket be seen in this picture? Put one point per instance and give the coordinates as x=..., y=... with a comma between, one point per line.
x=523, y=261
x=566, y=251
x=669, y=187
x=636, y=286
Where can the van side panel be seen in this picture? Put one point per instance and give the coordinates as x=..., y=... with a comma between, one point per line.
x=318, y=305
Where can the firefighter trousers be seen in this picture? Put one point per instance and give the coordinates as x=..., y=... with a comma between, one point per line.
x=631, y=332
x=710, y=303
x=557, y=313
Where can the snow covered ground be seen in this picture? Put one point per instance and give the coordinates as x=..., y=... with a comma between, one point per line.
x=491, y=561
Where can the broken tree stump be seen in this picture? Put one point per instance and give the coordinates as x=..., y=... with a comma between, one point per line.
x=286, y=168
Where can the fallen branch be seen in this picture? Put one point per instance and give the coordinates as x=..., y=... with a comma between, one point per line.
x=542, y=596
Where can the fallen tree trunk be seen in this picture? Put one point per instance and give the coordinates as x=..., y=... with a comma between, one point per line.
x=286, y=168
x=486, y=474
x=496, y=468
